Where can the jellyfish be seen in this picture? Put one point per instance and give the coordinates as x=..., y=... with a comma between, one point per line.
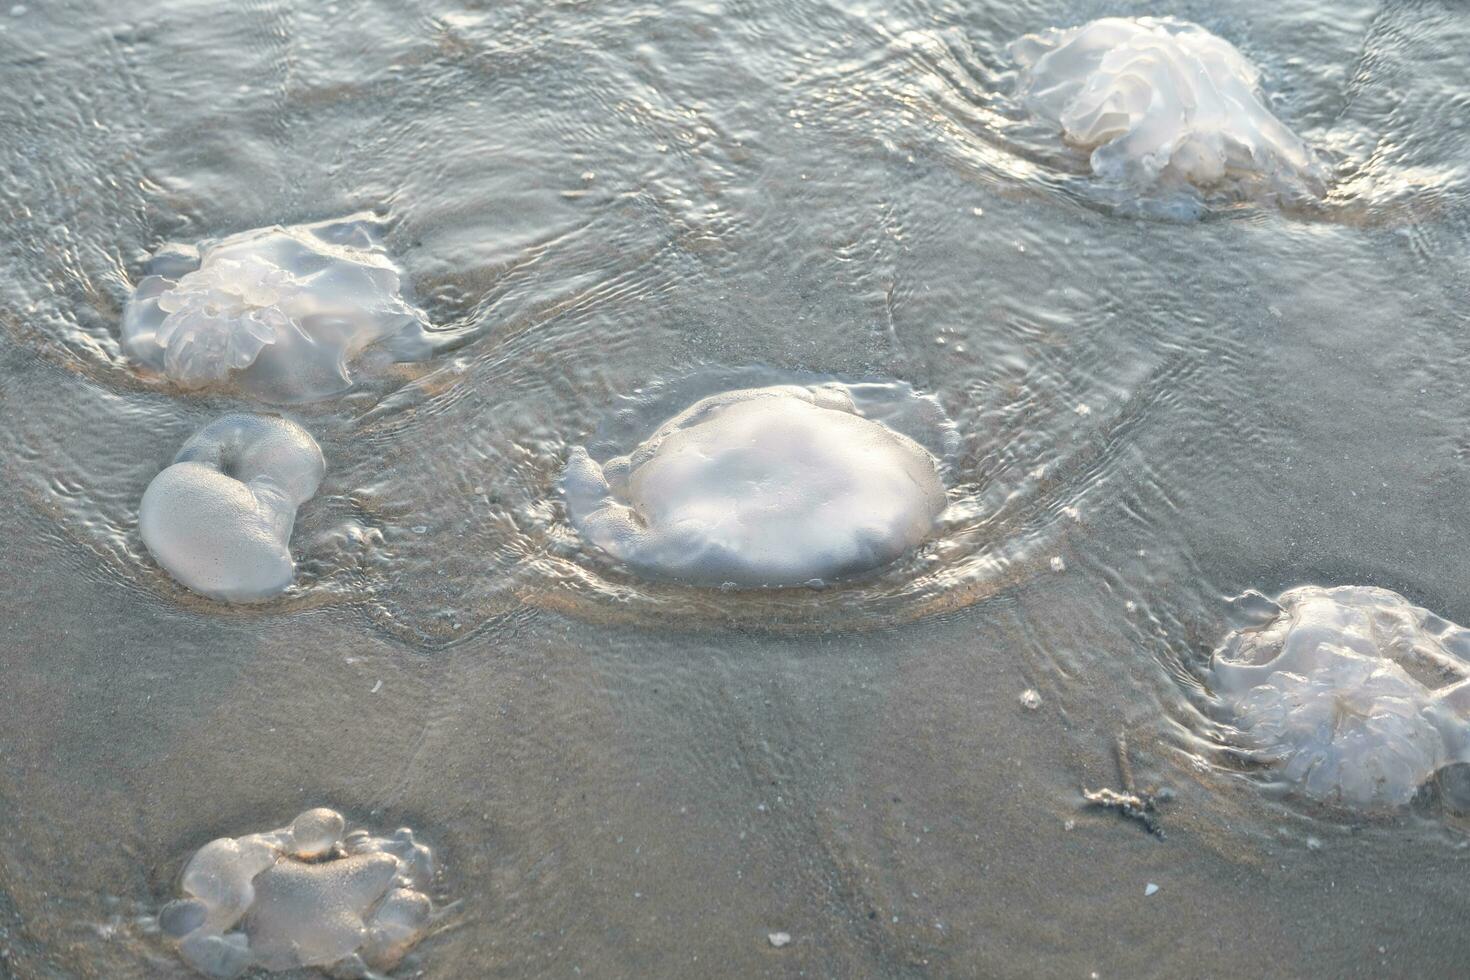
x=282, y=311
x=773, y=486
x=1161, y=101
x=219, y=518
x=1356, y=696
x=305, y=895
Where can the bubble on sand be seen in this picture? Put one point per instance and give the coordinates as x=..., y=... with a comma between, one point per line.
x=1164, y=104
x=281, y=311
x=776, y=486
x=305, y=895
x=1355, y=695
x=219, y=518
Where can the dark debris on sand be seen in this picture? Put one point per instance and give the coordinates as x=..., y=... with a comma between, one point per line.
x=1133, y=803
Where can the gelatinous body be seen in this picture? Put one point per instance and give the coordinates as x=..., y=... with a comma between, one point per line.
x=1157, y=101
x=305, y=895
x=760, y=487
x=1355, y=695
x=282, y=310
x=219, y=518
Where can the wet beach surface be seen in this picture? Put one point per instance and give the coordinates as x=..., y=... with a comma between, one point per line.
x=618, y=208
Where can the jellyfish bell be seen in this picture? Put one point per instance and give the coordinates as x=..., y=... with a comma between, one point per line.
x=301, y=896
x=775, y=486
x=314, y=914
x=1159, y=101
x=1354, y=695
x=281, y=311
x=219, y=518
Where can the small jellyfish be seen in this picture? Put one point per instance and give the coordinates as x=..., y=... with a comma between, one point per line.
x=1159, y=100
x=282, y=311
x=1352, y=693
x=219, y=518
x=773, y=486
x=305, y=895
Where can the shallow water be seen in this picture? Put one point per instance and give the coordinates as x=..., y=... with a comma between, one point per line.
x=616, y=209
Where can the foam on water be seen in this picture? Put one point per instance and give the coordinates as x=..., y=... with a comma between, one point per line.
x=1355, y=695
x=760, y=487
x=219, y=518
x=282, y=310
x=304, y=895
x=1161, y=103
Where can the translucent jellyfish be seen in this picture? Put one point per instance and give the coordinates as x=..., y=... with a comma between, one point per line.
x=219, y=518
x=282, y=311
x=760, y=487
x=306, y=895
x=1161, y=101
x=1355, y=695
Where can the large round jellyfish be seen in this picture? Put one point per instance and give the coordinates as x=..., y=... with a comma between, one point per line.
x=760, y=487
x=1355, y=695
x=306, y=895
x=1158, y=100
x=283, y=310
x=219, y=518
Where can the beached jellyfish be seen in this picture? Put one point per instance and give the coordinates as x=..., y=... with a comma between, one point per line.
x=281, y=311
x=1355, y=695
x=305, y=895
x=1162, y=101
x=219, y=518
x=760, y=487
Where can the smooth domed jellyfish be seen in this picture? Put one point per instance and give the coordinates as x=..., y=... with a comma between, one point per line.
x=760, y=487
x=282, y=311
x=219, y=518
x=1158, y=100
x=1355, y=695
x=305, y=895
